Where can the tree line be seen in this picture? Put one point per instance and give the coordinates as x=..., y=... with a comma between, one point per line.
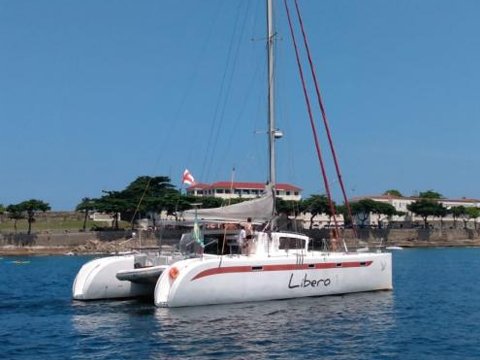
x=427, y=205
x=147, y=195
x=144, y=196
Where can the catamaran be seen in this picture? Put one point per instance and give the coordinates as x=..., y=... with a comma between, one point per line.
x=278, y=265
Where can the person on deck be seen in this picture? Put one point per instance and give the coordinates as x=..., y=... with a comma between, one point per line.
x=242, y=239
x=248, y=236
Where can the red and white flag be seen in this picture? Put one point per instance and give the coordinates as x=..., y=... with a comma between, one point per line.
x=188, y=178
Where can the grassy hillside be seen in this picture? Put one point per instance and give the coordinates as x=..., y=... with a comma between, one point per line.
x=53, y=222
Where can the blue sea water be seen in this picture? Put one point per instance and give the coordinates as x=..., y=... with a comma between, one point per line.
x=432, y=313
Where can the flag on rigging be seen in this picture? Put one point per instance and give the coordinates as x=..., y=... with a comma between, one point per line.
x=188, y=178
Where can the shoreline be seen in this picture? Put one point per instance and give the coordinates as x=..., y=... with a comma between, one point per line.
x=119, y=242
x=11, y=250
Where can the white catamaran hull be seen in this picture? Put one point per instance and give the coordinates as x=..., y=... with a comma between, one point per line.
x=242, y=279
x=125, y=276
x=97, y=279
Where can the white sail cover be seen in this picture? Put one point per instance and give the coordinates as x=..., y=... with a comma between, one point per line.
x=259, y=210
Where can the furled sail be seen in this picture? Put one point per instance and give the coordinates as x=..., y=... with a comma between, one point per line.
x=259, y=210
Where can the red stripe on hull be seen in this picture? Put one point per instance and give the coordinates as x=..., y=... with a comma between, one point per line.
x=280, y=267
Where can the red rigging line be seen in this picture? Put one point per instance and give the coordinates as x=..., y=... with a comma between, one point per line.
x=324, y=116
x=312, y=124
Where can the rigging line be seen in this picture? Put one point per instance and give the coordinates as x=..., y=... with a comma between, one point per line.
x=140, y=201
x=216, y=125
x=193, y=76
x=324, y=116
x=312, y=123
x=196, y=72
x=230, y=82
x=284, y=115
x=257, y=155
x=255, y=20
x=245, y=101
x=228, y=203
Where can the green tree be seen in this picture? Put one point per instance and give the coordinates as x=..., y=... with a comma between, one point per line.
x=290, y=207
x=426, y=207
x=86, y=206
x=317, y=205
x=430, y=194
x=393, y=192
x=15, y=213
x=30, y=207
x=473, y=213
x=144, y=195
x=386, y=209
x=343, y=210
x=362, y=209
x=113, y=203
x=458, y=212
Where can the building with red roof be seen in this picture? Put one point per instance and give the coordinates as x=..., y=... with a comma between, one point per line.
x=246, y=190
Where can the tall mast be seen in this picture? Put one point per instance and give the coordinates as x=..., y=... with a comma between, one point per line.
x=271, y=96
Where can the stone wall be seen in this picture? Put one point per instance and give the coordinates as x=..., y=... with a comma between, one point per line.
x=123, y=240
x=72, y=239
x=407, y=237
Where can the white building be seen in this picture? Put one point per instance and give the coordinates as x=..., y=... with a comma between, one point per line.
x=400, y=204
x=102, y=217
x=245, y=190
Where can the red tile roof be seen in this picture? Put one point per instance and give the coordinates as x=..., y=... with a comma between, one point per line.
x=198, y=186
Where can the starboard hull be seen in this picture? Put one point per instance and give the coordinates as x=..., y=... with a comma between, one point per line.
x=243, y=279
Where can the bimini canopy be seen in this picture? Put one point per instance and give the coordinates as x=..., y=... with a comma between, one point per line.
x=260, y=210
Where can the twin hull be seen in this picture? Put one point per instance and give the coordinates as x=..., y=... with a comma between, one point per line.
x=241, y=279
x=97, y=280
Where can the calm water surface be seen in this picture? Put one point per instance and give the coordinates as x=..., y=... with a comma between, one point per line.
x=433, y=313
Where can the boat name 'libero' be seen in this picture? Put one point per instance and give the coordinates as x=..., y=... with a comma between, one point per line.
x=304, y=283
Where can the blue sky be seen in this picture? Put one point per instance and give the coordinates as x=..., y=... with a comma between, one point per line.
x=96, y=93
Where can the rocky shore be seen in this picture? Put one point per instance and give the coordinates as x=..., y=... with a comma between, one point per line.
x=81, y=243
x=122, y=241
x=90, y=247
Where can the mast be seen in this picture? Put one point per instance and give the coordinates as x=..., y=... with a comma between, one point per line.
x=271, y=99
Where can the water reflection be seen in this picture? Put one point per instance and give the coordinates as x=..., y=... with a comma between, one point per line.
x=279, y=328
x=112, y=315
x=113, y=329
x=325, y=326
